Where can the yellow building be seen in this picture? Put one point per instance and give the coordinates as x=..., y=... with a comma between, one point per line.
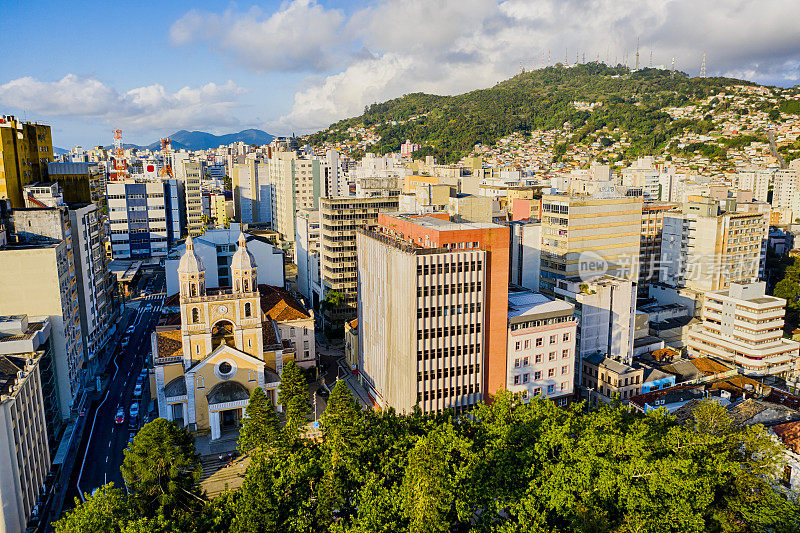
x=25, y=150
x=224, y=348
x=218, y=210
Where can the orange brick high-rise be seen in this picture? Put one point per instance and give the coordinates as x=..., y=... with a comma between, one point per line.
x=433, y=305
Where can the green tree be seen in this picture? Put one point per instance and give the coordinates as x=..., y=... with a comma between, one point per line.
x=260, y=427
x=293, y=395
x=161, y=469
x=107, y=510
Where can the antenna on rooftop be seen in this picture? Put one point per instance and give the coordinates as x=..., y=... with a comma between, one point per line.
x=703, y=66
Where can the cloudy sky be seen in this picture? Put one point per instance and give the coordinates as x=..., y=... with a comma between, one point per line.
x=152, y=68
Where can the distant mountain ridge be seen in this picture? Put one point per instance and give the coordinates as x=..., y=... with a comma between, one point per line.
x=201, y=140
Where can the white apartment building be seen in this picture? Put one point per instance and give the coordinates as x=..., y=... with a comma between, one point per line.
x=420, y=333
x=786, y=190
x=96, y=286
x=252, y=192
x=525, y=254
x=296, y=182
x=744, y=326
x=24, y=448
x=756, y=180
x=216, y=247
x=146, y=217
x=605, y=309
x=541, y=346
x=704, y=248
x=643, y=175
x=306, y=254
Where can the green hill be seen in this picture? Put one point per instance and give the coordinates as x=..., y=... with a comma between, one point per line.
x=448, y=127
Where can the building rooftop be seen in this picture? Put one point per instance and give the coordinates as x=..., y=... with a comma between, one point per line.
x=789, y=434
x=439, y=224
x=525, y=303
x=278, y=304
x=609, y=363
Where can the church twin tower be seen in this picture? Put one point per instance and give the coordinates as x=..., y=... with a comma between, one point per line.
x=206, y=370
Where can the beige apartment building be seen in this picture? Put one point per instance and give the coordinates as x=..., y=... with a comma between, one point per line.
x=576, y=227
x=706, y=248
x=340, y=219
x=24, y=448
x=744, y=326
x=190, y=172
x=53, y=291
x=610, y=378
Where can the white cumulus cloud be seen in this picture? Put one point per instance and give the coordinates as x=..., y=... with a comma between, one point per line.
x=143, y=108
x=300, y=36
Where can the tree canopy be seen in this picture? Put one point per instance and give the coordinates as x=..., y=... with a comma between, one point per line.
x=509, y=466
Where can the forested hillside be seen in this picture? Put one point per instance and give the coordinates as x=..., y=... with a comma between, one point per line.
x=449, y=126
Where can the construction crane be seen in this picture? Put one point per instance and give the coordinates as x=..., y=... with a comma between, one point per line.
x=120, y=165
x=165, y=151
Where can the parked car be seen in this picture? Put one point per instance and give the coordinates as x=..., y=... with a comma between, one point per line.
x=130, y=329
x=137, y=390
x=120, y=418
x=134, y=411
x=125, y=342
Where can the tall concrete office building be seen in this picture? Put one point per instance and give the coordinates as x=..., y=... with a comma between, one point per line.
x=340, y=218
x=577, y=228
x=79, y=182
x=26, y=148
x=432, y=311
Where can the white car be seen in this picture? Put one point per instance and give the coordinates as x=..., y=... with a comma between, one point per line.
x=134, y=411
x=137, y=390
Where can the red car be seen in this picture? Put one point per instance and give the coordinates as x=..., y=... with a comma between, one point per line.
x=120, y=418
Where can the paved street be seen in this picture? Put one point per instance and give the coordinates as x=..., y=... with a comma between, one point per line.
x=101, y=450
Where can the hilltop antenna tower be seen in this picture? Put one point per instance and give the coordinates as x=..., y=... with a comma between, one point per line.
x=566, y=58
x=637, y=54
x=651, y=59
x=703, y=66
x=166, y=145
x=120, y=165
x=548, y=57
x=672, y=70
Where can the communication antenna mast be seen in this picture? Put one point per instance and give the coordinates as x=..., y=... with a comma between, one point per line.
x=548, y=57
x=672, y=71
x=576, y=57
x=651, y=59
x=120, y=165
x=703, y=66
x=584, y=58
x=166, y=145
x=637, y=54
x=566, y=58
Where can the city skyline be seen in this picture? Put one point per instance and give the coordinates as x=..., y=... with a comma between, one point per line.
x=297, y=66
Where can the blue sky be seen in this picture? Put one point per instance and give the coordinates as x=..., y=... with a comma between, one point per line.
x=152, y=68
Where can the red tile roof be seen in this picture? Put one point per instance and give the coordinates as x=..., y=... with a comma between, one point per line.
x=278, y=304
x=789, y=433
